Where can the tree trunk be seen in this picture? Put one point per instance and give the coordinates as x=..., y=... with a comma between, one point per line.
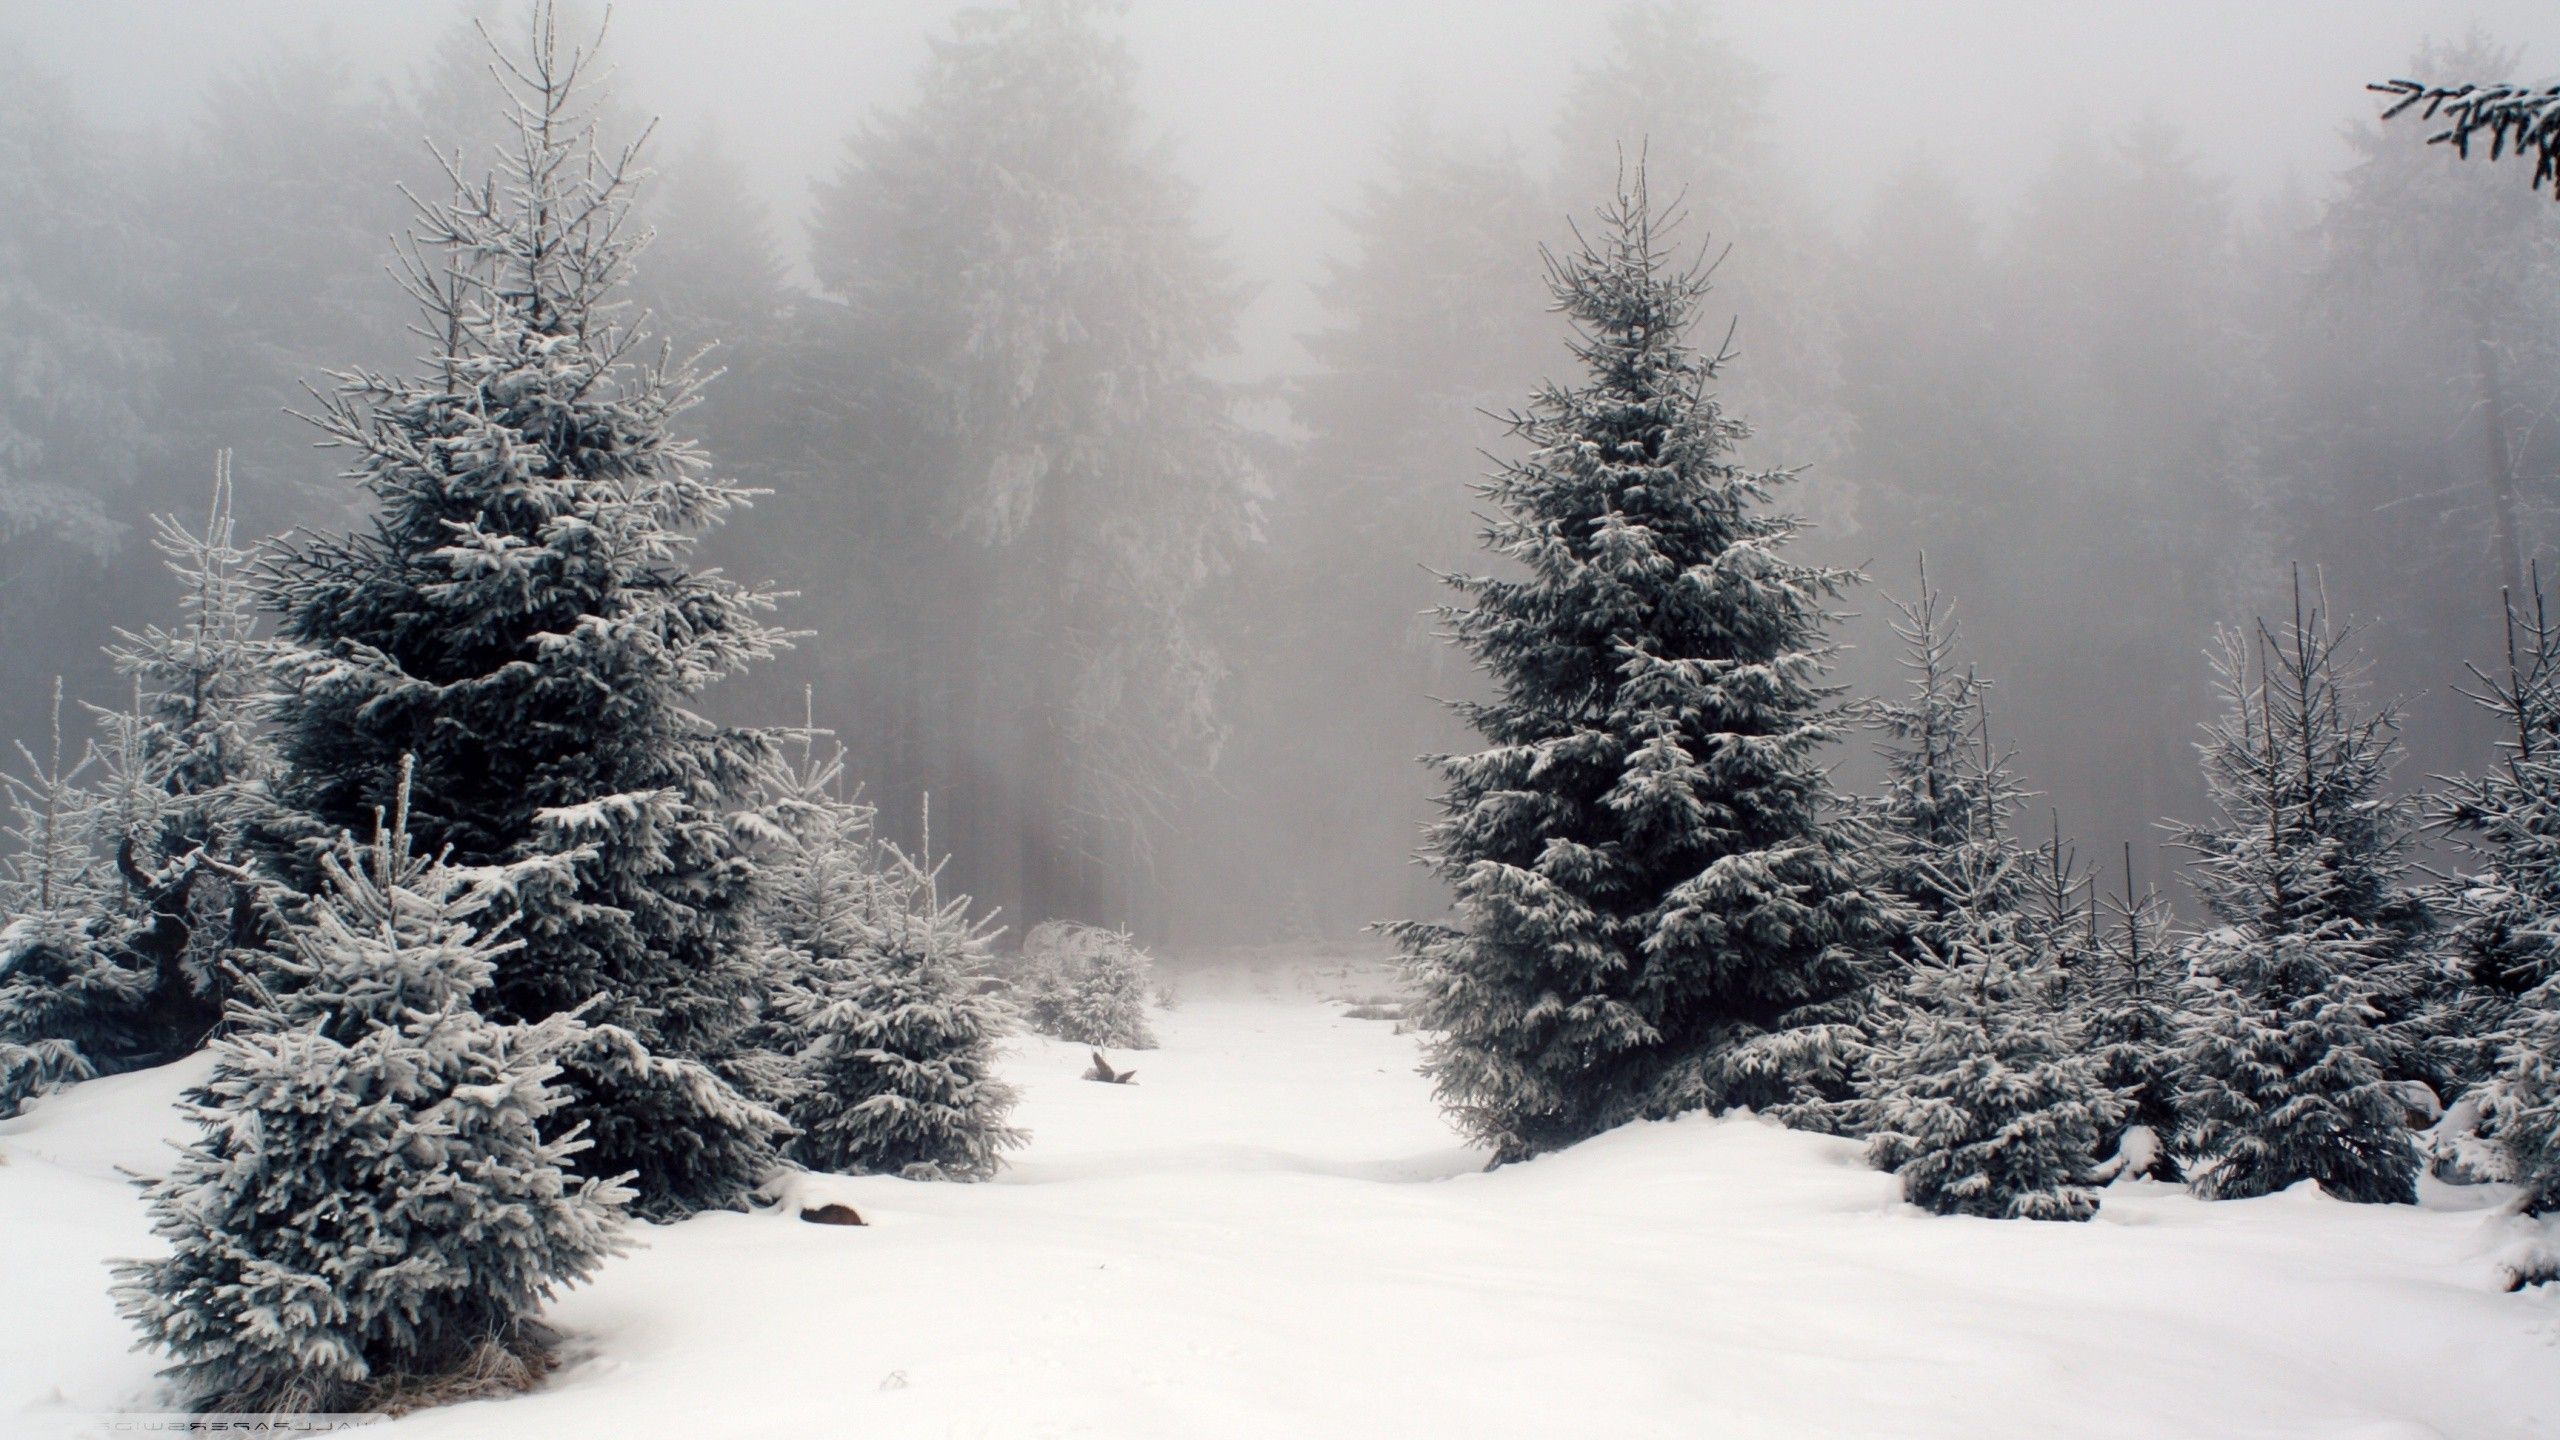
x=2487, y=370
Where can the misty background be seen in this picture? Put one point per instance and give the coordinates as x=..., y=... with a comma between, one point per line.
x=1119, y=372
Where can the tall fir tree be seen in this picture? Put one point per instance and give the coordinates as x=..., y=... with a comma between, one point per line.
x=2286, y=1054
x=1023, y=259
x=1655, y=910
x=1433, y=317
x=373, y=1199
x=520, y=617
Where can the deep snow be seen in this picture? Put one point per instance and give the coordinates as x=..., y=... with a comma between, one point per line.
x=1272, y=1233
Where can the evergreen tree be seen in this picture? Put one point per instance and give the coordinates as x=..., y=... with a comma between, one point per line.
x=2284, y=1060
x=519, y=616
x=2499, y=927
x=188, y=768
x=896, y=1043
x=1433, y=318
x=69, y=1008
x=2502, y=915
x=2134, y=1004
x=1023, y=263
x=2059, y=904
x=1948, y=796
x=1655, y=910
x=1984, y=1097
x=373, y=1198
x=876, y=997
x=1088, y=985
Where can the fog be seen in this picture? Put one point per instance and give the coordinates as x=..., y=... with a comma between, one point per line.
x=2118, y=312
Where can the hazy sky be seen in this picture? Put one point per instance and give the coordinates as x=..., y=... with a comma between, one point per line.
x=1274, y=104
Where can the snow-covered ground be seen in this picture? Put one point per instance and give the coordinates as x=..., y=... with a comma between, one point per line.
x=1272, y=1233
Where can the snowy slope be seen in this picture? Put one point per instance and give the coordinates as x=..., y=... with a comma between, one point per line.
x=1271, y=1233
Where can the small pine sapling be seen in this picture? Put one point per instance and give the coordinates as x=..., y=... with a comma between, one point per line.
x=188, y=767
x=377, y=1199
x=68, y=1007
x=896, y=1043
x=2132, y=1006
x=1981, y=1094
x=1087, y=986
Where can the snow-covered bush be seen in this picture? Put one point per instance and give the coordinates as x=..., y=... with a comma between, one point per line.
x=373, y=1198
x=1088, y=985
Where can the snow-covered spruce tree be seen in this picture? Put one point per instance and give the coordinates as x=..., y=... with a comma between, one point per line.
x=1088, y=985
x=187, y=768
x=374, y=1202
x=1655, y=910
x=69, y=1008
x=2500, y=918
x=894, y=1040
x=2059, y=904
x=2505, y=918
x=2132, y=1007
x=1982, y=1097
x=520, y=616
x=1948, y=795
x=1927, y=742
x=2283, y=1057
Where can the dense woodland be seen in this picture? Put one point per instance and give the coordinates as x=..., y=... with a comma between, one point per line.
x=2111, y=420
x=576, y=811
